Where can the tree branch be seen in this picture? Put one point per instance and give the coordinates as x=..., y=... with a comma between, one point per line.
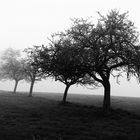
x=118, y=65
x=95, y=78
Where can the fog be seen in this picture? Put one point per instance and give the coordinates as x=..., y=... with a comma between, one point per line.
x=30, y=22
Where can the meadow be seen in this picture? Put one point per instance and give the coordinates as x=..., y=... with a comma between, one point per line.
x=42, y=117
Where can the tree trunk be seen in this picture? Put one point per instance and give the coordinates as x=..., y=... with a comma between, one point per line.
x=106, y=101
x=65, y=93
x=31, y=88
x=15, y=88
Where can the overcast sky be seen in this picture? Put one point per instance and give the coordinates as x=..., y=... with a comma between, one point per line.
x=24, y=23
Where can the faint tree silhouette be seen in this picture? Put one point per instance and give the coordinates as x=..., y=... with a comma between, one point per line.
x=11, y=67
x=32, y=67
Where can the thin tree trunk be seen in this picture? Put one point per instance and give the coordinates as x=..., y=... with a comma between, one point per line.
x=31, y=88
x=65, y=93
x=106, y=101
x=15, y=88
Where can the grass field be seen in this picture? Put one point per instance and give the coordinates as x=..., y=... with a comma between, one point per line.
x=43, y=118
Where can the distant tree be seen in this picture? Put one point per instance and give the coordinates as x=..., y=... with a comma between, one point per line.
x=111, y=45
x=62, y=62
x=32, y=67
x=11, y=67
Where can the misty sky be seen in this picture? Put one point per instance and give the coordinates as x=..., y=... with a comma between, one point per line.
x=24, y=23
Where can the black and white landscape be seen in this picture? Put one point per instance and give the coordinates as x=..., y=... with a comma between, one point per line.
x=61, y=64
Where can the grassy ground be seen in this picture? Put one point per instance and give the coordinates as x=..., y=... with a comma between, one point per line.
x=131, y=104
x=39, y=118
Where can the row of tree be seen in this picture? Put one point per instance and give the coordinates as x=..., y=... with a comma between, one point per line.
x=85, y=54
x=14, y=67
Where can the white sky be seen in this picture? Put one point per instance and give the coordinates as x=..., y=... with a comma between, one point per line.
x=24, y=23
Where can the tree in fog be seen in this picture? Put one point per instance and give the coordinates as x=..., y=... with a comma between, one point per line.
x=32, y=67
x=62, y=62
x=11, y=67
x=111, y=45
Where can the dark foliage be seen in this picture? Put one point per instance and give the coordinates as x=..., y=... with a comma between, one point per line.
x=111, y=45
x=62, y=61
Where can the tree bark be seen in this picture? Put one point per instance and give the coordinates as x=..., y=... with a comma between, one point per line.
x=106, y=100
x=31, y=88
x=15, y=88
x=65, y=93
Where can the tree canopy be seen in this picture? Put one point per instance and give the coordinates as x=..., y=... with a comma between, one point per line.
x=61, y=60
x=111, y=45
